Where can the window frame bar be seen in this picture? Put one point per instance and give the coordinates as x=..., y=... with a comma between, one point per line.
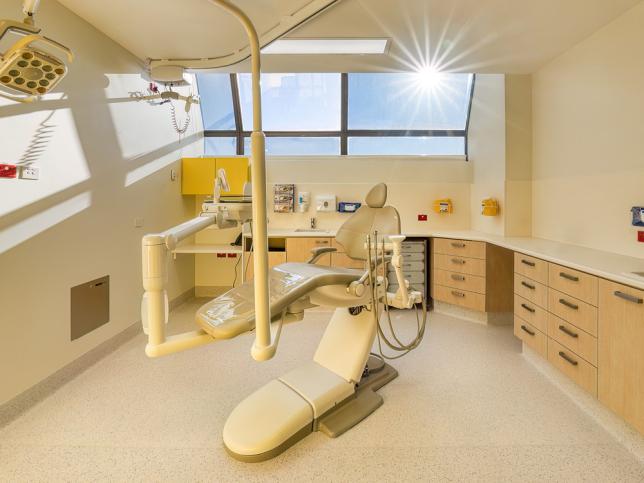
x=344, y=133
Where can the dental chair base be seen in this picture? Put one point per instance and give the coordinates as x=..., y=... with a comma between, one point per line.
x=331, y=394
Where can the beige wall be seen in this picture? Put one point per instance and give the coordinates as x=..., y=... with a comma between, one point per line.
x=487, y=151
x=588, y=133
x=108, y=161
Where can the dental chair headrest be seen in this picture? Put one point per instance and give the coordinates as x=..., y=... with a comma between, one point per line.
x=377, y=196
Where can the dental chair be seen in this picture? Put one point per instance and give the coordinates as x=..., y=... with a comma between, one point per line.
x=334, y=391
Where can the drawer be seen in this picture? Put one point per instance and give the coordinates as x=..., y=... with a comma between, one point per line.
x=531, y=267
x=420, y=287
x=571, y=337
x=413, y=256
x=578, y=284
x=531, y=336
x=463, y=248
x=413, y=246
x=529, y=289
x=471, y=266
x=531, y=313
x=413, y=277
x=573, y=311
x=462, y=298
x=408, y=266
x=462, y=281
x=573, y=366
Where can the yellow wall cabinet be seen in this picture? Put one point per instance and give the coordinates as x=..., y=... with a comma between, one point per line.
x=198, y=175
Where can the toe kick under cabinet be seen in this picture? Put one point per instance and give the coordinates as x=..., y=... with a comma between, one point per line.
x=472, y=274
x=590, y=329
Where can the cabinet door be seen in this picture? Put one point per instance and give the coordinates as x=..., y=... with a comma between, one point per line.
x=198, y=175
x=621, y=351
x=299, y=249
x=236, y=174
x=274, y=258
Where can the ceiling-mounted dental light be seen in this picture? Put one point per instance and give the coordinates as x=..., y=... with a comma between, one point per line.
x=327, y=46
x=27, y=72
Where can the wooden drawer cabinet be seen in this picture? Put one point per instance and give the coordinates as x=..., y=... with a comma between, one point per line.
x=573, y=366
x=461, y=281
x=575, y=311
x=532, y=313
x=533, y=337
x=572, y=282
x=299, y=249
x=274, y=258
x=531, y=267
x=621, y=351
x=461, y=248
x=571, y=337
x=535, y=292
x=462, y=298
x=452, y=263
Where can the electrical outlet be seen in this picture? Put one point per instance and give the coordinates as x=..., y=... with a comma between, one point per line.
x=173, y=175
x=422, y=217
x=138, y=222
x=8, y=170
x=30, y=172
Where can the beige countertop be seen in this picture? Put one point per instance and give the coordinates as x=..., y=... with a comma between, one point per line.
x=611, y=266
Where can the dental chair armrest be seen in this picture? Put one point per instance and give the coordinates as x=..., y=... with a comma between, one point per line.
x=317, y=252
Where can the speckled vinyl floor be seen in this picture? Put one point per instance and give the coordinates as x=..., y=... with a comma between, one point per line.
x=466, y=407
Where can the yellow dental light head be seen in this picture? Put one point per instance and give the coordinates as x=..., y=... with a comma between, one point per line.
x=29, y=70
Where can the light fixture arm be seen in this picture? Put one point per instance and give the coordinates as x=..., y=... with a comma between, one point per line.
x=265, y=345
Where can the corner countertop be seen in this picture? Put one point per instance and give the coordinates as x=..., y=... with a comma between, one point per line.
x=608, y=265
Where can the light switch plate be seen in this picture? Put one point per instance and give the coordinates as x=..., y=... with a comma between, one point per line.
x=30, y=172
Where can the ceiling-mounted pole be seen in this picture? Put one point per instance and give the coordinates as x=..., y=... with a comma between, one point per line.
x=263, y=348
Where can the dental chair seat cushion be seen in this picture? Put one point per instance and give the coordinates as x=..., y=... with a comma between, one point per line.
x=266, y=419
x=233, y=313
x=322, y=388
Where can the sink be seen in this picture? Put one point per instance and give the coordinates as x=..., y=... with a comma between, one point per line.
x=310, y=230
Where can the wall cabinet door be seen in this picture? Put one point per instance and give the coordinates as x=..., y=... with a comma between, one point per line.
x=274, y=258
x=299, y=249
x=621, y=351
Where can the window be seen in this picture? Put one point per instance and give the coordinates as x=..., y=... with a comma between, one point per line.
x=331, y=114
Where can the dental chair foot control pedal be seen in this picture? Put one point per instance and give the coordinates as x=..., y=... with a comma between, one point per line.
x=348, y=415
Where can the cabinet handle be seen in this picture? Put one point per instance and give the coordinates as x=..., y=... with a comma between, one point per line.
x=629, y=297
x=458, y=245
x=567, y=276
x=567, y=358
x=525, y=329
x=527, y=285
x=529, y=309
x=570, y=305
x=321, y=242
x=459, y=261
x=528, y=263
x=458, y=294
x=459, y=278
x=567, y=331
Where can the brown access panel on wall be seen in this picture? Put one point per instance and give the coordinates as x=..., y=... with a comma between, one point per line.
x=90, y=306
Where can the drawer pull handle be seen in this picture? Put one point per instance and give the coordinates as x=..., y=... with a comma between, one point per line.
x=459, y=278
x=458, y=294
x=458, y=245
x=567, y=276
x=321, y=242
x=527, y=285
x=525, y=329
x=458, y=261
x=570, y=305
x=629, y=297
x=567, y=358
x=567, y=331
x=528, y=263
x=529, y=309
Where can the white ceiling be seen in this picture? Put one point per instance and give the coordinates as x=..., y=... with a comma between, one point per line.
x=503, y=36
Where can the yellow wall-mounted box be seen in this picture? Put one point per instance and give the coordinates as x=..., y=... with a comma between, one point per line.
x=443, y=206
x=198, y=175
x=489, y=207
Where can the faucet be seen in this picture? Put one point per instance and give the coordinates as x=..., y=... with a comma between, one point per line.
x=313, y=223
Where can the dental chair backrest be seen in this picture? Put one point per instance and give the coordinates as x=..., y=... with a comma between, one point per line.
x=374, y=216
